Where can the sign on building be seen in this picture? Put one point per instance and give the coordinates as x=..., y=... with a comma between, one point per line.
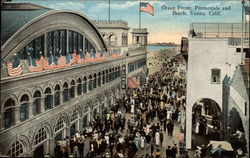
x=123, y=76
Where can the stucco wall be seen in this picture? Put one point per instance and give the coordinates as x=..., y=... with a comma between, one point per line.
x=204, y=55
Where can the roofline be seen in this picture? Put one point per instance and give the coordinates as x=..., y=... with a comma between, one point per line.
x=55, y=12
x=35, y=5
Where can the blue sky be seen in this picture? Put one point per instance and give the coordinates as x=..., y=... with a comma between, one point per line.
x=162, y=27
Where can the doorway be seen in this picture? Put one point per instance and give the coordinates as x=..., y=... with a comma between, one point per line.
x=39, y=152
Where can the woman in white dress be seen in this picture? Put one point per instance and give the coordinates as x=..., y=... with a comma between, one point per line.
x=169, y=112
x=157, y=138
x=197, y=127
x=142, y=142
x=179, y=117
x=132, y=109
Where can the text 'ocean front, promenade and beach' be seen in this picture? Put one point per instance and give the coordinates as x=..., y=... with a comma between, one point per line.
x=196, y=10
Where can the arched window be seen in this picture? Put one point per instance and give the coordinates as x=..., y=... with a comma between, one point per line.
x=99, y=79
x=85, y=116
x=79, y=87
x=48, y=100
x=24, y=107
x=90, y=83
x=113, y=74
x=84, y=85
x=94, y=81
x=40, y=136
x=119, y=72
x=107, y=76
x=9, y=113
x=72, y=89
x=65, y=92
x=36, y=103
x=59, y=125
x=57, y=95
x=112, y=39
x=16, y=149
x=74, y=116
x=103, y=78
x=215, y=75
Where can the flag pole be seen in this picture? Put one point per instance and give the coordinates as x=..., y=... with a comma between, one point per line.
x=139, y=14
x=109, y=10
x=242, y=31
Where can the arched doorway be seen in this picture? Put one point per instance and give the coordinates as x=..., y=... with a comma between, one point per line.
x=206, y=122
x=236, y=131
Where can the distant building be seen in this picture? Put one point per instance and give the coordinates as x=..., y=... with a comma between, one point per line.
x=57, y=74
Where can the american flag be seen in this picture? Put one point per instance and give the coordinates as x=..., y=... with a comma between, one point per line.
x=80, y=58
x=49, y=64
x=146, y=7
x=131, y=84
x=34, y=66
x=87, y=56
x=135, y=82
x=61, y=62
x=74, y=58
x=14, y=67
x=69, y=58
x=113, y=52
x=97, y=56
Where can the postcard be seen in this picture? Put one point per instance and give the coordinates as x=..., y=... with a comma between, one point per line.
x=124, y=78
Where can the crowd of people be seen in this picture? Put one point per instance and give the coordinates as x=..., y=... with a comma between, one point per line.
x=135, y=125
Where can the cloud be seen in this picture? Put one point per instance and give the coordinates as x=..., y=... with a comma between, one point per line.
x=67, y=5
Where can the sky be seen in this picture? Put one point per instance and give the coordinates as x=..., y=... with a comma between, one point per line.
x=163, y=26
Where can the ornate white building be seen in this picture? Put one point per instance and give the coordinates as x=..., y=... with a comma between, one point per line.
x=39, y=107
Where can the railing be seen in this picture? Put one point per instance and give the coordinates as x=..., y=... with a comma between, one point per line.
x=110, y=22
x=233, y=31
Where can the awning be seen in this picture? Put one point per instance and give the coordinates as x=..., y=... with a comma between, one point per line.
x=223, y=144
x=131, y=84
x=135, y=82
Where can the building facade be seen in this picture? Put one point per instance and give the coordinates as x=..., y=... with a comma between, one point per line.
x=79, y=77
x=212, y=57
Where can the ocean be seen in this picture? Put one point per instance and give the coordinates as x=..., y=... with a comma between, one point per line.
x=158, y=47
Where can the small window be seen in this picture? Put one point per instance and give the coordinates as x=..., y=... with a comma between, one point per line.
x=215, y=75
x=137, y=39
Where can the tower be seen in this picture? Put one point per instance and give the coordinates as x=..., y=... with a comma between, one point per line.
x=139, y=38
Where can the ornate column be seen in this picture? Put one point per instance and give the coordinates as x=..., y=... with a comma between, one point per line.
x=29, y=109
x=42, y=104
x=67, y=131
x=61, y=97
x=75, y=89
x=16, y=114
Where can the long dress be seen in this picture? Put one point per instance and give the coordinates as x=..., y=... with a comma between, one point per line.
x=142, y=142
x=132, y=109
x=147, y=129
x=169, y=114
x=197, y=127
x=179, y=117
x=157, y=138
